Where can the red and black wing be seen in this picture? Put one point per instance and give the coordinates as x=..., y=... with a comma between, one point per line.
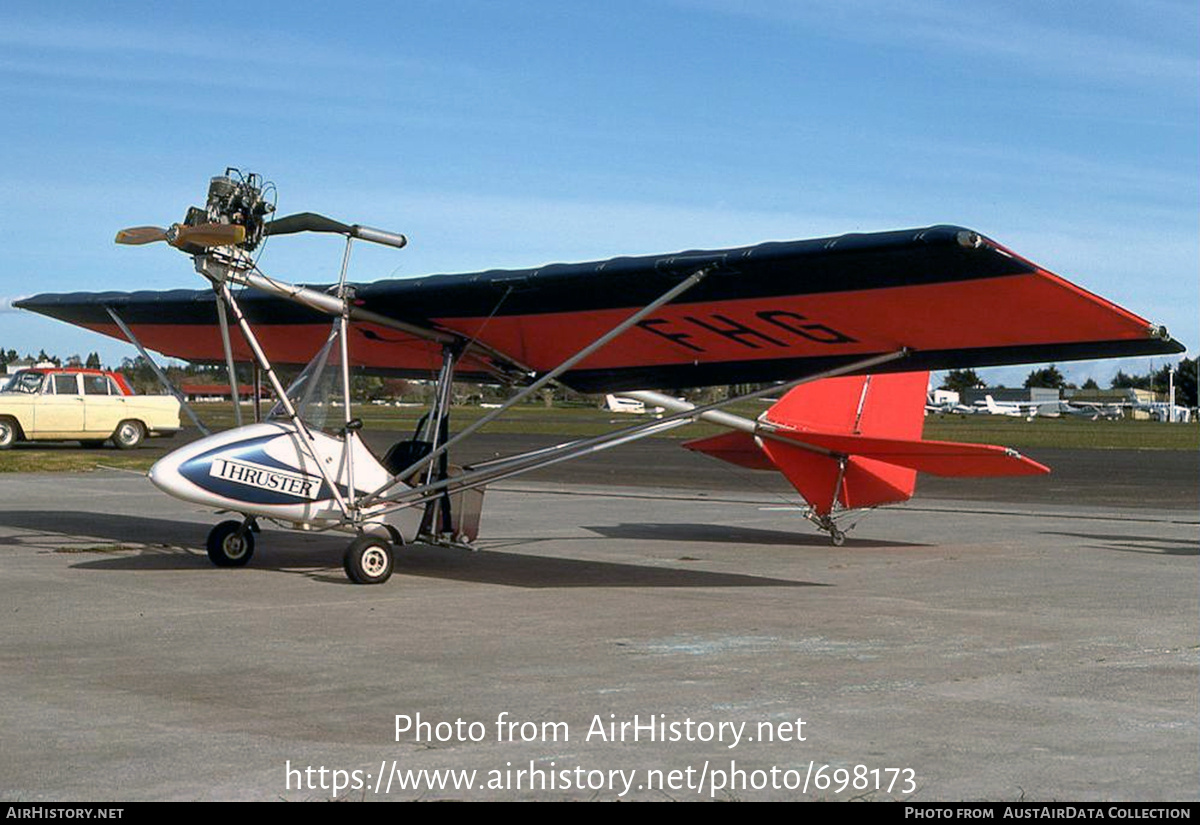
x=766, y=312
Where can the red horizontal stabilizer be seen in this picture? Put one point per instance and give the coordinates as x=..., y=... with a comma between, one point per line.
x=856, y=441
x=939, y=458
x=734, y=447
x=865, y=482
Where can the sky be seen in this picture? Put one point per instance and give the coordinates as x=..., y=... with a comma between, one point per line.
x=515, y=134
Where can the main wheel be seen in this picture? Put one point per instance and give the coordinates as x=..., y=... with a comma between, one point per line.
x=129, y=435
x=229, y=545
x=368, y=560
x=8, y=433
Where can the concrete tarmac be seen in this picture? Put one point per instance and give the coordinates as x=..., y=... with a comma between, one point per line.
x=647, y=642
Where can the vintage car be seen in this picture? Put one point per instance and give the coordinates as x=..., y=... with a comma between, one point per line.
x=87, y=405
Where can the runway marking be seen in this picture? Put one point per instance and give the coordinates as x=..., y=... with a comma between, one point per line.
x=903, y=508
x=1050, y=514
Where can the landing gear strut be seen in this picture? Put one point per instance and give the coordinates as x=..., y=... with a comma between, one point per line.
x=231, y=544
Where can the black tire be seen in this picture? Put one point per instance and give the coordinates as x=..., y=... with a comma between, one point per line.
x=368, y=560
x=229, y=545
x=129, y=435
x=8, y=432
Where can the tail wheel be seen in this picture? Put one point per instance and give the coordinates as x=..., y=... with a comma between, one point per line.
x=230, y=544
x=129, y=435
x=368, y=560
x=8, y=433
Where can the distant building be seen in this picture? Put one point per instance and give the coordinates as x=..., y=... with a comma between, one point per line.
x=202, y=393
x=1123, y=395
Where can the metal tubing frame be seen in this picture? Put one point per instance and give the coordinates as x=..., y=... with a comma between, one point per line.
x=344, y=349
x=668, y=296
x=515, y=465
x=322, y=302
x=433, y=427
x=162, y=376
x=276, y=385
x=489, y=471
x=223, y=321
x=505, y=467
x=757, y=428
x=256, y=375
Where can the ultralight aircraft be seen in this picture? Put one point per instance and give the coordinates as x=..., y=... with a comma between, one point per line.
x=857, y=319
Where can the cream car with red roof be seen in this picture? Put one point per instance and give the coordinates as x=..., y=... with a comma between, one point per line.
x=87, y=405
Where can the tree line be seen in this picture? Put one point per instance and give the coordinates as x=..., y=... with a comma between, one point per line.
x=10, y=356
x=1155, y=381
x=370, y=388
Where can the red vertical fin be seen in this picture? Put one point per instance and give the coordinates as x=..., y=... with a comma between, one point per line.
x=883, y=406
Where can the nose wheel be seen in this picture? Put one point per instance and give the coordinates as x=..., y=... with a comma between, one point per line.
x=230, y=544
x=368, y=560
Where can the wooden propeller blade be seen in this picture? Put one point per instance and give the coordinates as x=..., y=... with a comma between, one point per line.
x=138, y=235
x=208, y=234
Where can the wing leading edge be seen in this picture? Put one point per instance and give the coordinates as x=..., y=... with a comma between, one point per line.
x=767, y=312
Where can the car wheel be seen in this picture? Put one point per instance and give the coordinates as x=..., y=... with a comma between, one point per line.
x=129, y=435
x=8, y=433
x=368, y=560
x=229, y=545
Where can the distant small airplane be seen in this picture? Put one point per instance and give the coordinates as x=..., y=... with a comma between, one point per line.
x=1088, y=412
x=620, y=404
x=953, y=408
x=1014, y=409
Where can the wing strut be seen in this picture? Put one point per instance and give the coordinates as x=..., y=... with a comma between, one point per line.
x=223, y=290
x=162, y=376
x=223, y=322
x=330, y=305
x=668, y=296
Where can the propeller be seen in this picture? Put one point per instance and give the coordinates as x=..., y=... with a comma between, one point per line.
x=208, y=234
x=138, y=235
x=180, y=235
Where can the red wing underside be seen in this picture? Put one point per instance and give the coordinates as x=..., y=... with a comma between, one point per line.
x=760, y=336
x=770, y=312
x=1020, y=310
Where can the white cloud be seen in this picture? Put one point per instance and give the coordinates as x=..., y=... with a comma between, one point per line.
x=1028, y=39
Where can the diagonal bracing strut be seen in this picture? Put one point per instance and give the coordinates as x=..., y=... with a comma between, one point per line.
x=162, y=377
x=501, y=468
x=668, y=296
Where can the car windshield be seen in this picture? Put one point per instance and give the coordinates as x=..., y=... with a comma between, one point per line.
x=25, y=381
